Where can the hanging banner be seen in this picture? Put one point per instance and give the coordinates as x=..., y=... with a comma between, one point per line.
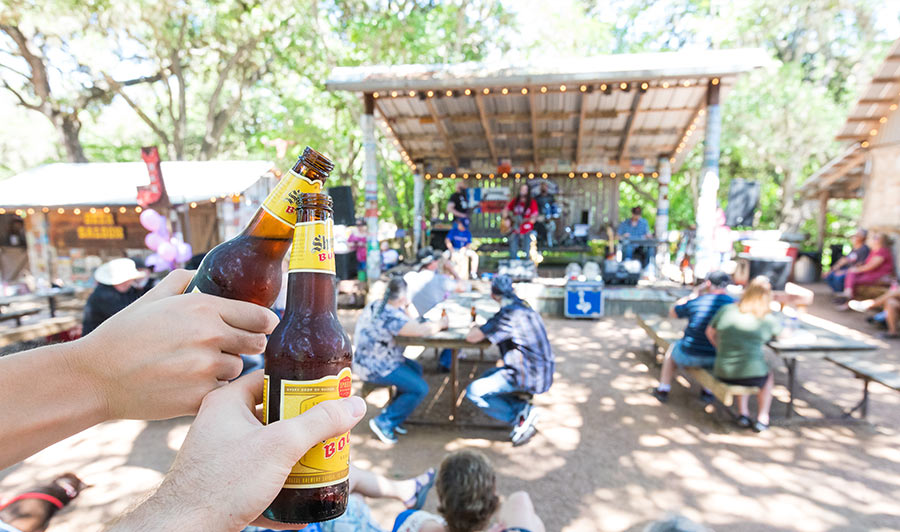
x=153, y=194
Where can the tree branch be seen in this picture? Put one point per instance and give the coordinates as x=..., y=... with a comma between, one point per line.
x=143, y=116
x=640, y=192
x=38, y=70
x=22, y=101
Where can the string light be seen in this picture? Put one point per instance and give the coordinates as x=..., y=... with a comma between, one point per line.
x=543, y=89
x=671, y=159
x=583, y=88
x=641, y=175
x=486, y=91
x=873, y=132
x=603, y=86
x=893, y=107
x=686, y=83
x=452, y=176
x=2, y=210
x=584, y=175
x=45, y=209
x=504, y=90
x=427, y=176
x=715, y=81
x=665, y=85
x=62, y=211
x=491, y=176
x=701, y=112
x=393, y=94
x=627, y=175
x=412, y=94
x=882, y=120
x=449, y=93
x=440, y=175
x=623, y=85
x=562, y=88
x=530, y=175
x=612, y=175
x=138, y=209
x=544, y=175
x=478, y=176
x=505, y=175
x=193, y=204
x=865, y=144
x=77, y=211
x=599, y=174
x=571, y=175
x=645, y=85
x=105, y=209
x=93, y=210
x=429, y=94
x=468, y=92
x=655, y=175
x=375, y=95
x=20, y=212
x=518, y=175
x=212, y=200
x=121, y=210
x=465, y=176
x=524, y=90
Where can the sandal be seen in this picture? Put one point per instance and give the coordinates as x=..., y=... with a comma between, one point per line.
x=424, y=482
x=744, y=422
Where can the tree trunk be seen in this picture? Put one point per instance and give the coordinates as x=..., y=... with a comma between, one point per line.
x=69, y=127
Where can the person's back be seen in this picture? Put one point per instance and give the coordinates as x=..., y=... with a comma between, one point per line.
x=740, y=339
x=700, y=312
x=103, y=302
x=517, y=328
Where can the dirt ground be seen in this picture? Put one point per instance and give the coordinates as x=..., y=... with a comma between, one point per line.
x=608, y=456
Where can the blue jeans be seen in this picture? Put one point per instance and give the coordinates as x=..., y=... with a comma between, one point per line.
x=836, y=280
x=446, y=358
x=492, y=393
x=519, y=242
x=411, y=390
x=687, y=360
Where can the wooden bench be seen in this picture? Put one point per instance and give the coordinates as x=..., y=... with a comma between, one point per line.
x=868, y=370
x=18, y=315
x=664, y=331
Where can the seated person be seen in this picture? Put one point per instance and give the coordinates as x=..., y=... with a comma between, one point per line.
x=889, y=302
x=467, y=501
x=835, y=276
x=634, y=228
x=738, y=332
x=379, y=360
x=459, y=241
x=114, y=291
x=694, y=349
x=877, y=269
x=526, y=367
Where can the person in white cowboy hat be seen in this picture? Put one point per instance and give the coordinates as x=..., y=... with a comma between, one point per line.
x=115, y=280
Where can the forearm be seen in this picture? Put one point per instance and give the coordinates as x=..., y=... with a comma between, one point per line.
x=48, y=394
x=165, y=510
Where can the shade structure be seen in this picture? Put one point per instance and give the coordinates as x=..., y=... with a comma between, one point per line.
x=61, y=184
x=606, y=113
x=871, y=123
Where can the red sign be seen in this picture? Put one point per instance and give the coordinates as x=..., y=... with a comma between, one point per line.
x=155, y=192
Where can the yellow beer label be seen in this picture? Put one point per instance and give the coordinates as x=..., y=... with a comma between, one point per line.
x=328, y=462
x=265, y=416
x=282, y=201
x=313, y=249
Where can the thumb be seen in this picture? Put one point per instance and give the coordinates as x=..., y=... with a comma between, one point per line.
x=173, y=284
x=325, y=420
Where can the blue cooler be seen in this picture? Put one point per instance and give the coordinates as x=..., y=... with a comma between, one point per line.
x=584, y=299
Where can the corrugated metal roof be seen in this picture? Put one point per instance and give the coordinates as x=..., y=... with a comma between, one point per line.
x=606, y=114
x=62, y=184
x=877, y=104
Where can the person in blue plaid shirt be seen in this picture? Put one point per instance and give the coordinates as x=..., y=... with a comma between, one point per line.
x=526, y=367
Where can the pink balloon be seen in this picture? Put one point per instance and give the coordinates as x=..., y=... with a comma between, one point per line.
x=163, y=231
x=151, y=220
x=167, y=251
x=157, y=263
x=153, y=240
x=184, y=252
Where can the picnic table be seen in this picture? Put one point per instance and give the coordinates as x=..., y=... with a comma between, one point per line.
x=459, y=308
x=808, y=341
x=50, y=295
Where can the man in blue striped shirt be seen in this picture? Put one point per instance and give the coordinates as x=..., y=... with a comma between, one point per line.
x=527, y=364
x=694, y=349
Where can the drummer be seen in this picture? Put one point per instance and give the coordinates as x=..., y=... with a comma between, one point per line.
x=634, y=228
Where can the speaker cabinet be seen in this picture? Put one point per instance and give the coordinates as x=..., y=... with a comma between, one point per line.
x=743, y=197
x=344, y=211
x=777, y=269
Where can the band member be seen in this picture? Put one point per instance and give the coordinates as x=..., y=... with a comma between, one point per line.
x=548, y=212
x=458, y=205
x=522, y=212
x=634, y=228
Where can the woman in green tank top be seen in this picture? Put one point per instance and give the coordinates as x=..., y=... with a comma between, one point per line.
x=739, y=331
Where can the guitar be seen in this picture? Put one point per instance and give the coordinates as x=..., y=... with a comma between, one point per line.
x=510, y=224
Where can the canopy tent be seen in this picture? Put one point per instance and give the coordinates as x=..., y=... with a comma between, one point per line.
x=606, y=116
x=102, y=184
x=867, y=167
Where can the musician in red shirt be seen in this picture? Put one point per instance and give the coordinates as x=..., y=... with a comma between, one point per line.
x=523, y=212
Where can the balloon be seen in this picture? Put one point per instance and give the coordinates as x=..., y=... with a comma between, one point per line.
x=153, y=240
x=152, y=220
x=157, y=263
x=167, y=251
x=183, y=252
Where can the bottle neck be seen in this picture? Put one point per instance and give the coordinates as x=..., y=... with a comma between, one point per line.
x=311, y=293
x=275, y=218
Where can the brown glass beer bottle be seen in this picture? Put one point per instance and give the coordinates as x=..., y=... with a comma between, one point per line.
x=308, y=359
x=248, y=267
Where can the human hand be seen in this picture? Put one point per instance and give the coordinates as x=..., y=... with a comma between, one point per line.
x=231, y=466
x=160, y=356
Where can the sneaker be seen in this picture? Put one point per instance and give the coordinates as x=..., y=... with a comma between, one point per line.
x=661, y=395
x=523, y=436
x=706, y=397
x=760, y=427
x=384, y=434
x=524, y=422
x=861, y=306
x=401, y=430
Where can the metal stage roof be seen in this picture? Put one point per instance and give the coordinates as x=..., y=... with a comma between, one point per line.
x=600, y=114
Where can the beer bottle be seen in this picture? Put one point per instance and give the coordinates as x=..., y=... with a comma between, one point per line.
x=473, y=314
x=248, y=267
x=308, y=360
